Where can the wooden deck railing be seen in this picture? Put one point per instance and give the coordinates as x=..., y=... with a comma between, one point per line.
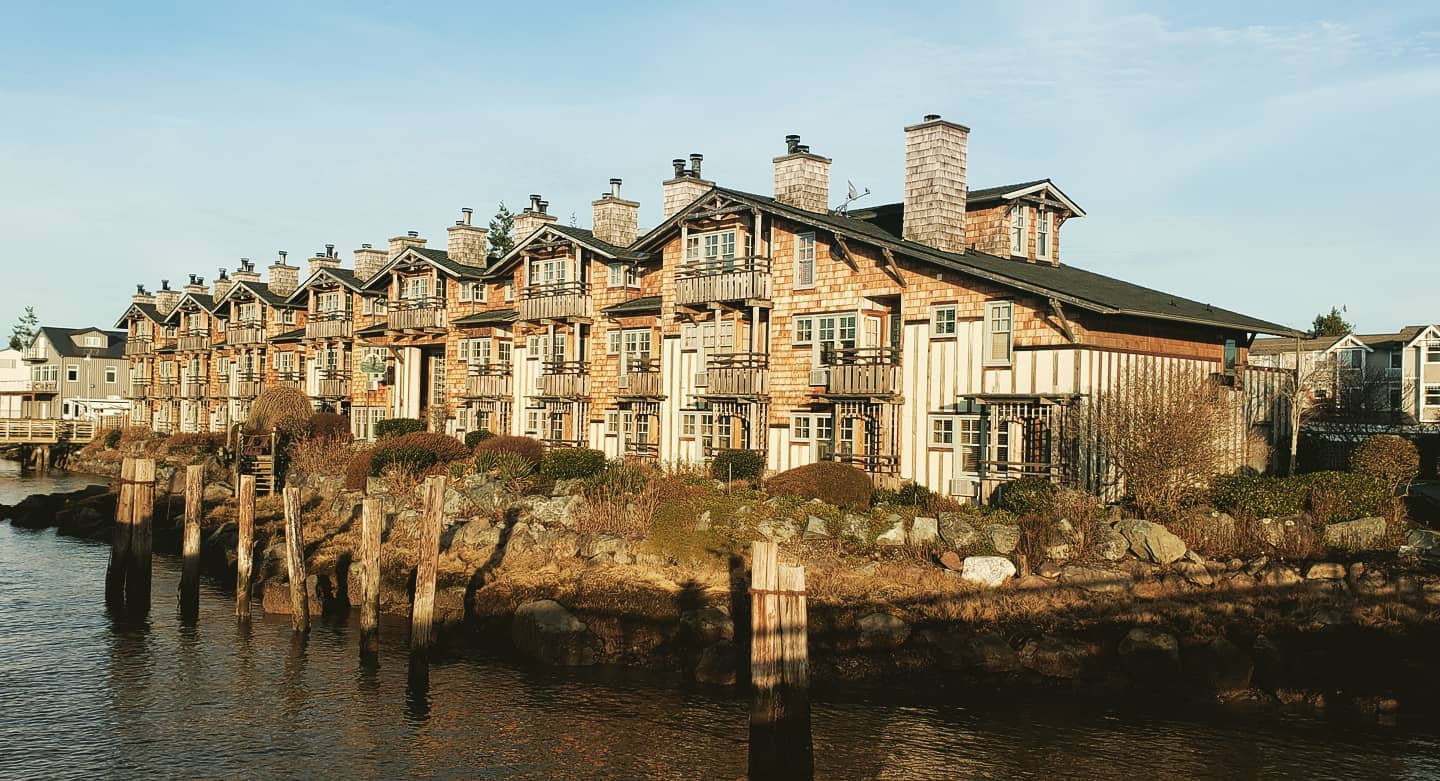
x=20, y=431
x=555, y=301
x=164, y=388
x=737, y=374
x=194, y=342
x=29, y=386
x=139, y=389
x=332, y=384
x=328, y=325
x=139, y=346
x=246, y=332
x=863, y=371
x=641, y=378
x=739, y=279
x=488, y=381
x=565, y=379
x=414, y=314
x=192, y=390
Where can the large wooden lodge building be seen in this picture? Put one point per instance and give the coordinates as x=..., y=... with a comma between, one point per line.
x=938, y=340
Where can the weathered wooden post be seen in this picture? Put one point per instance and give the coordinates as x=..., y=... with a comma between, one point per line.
x=245, y=547
x=797, y=758
x=765, y=652
x=120, y=538
x=137, y=571
x=422, y=614
x=372, y=523
x=295, y=562
x=779, y=669
x=190, y=575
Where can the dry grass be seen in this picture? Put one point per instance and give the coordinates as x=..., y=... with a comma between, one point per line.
x=320, y=456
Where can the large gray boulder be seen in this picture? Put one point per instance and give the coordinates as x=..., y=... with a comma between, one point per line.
x=1359, y=534
x=1276, y=532
x=895, y=535
x=1149, y=540
x=1110, y=545
x=924, y=531
x=1422, y=542
x=855, y=526
x=1095, y=578
x=987, y=571
x=815, y=528
x=882, y=630
x=956, y=531
x=545, y=631
x=1004, y=537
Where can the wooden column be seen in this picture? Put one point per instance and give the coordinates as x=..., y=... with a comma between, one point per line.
x=120, y=537
x=797, y=758
x=245, y=548
x=295, y=562
x=779, y=669
x=764, y=631
x=190, y=575
x=422, y=615
x=137, y=571
x=372, y=523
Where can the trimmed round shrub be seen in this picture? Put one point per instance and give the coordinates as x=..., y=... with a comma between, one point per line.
x=328, y=425
x=1252, y=496
x=473, y=438
x=531, y=450
x=357, y=470
x=571, y=463
x=1392, y=459
x=112, y=438
x=411, y=460
x=737, y=465
x=834, y=483
x=1345, y=496
x=394, y=427
x=1027, y=496
x=283, y=407
x=443, y=447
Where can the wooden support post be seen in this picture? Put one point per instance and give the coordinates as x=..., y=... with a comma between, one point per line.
x=295, y=562
x=190, y=575
x=137, y=571
x=797, y=758
x=245, y=548
x=372, y=522
x=779, y=669
x=120, y=538
x=764, y=649
x=432, y=516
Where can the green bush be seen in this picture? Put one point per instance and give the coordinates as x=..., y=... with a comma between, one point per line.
x=737, y=465
x=112, y=439
x=1345, y=496
x=473, y=438
x=571, y=463
x=839, y=484
x=1027, y=496
x=506, y=466
x=394, y=427
x=444, y=447
x=1253, y=496
x=908, y=495
x=1392, y=459
x=411, y=460
x=531, y=450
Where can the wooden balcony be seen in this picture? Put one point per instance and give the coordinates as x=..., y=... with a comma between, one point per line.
x=164, y=389
x=736, y=375
x=871, y=372
x=249, y=332
x=294, y=379
x=245, y=386
x=328, y=325
x=641, y=379
x=331, y=384
x=192, y=390
x=742, y=279
x=138, y=346
x=193, y=342
x=488, y=381
x=29, y=386
x=417, y=314
x=33, y=355
x=555, y=301
x=139, y=389
x=565, y=380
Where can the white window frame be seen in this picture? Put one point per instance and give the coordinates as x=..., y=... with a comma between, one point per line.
x=509, y=290
x=804, y=330
x=689, y=336
x=612, y=422
x=804, y=261
x=997, y=312
x=112, y=375
x=968, y=449
x=72, y=372
x=800, y=428
x=942, y=431
x=620, y=274
x=689, y=425
x=1018, y=233
x=944, y=327
x=612, y=341
x=1044, y=218
x=715, y=250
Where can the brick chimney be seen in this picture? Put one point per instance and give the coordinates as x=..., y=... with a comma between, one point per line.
x=222, y=284
x=532, y=218
x=802, y=179
x=687, y=185
x=369, y=261
x=165, y=298
x=284, y=278
x=616, y=220
x=935, y=152
x=246, y=271
x=142, y=296
x=466, y=243
x=196, y=285
x=401, y=243
x=326, y=259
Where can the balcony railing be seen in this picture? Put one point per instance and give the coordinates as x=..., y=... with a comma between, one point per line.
x=565, y=379
x=246, y=332
x=555, y=301
x=292, y=377
x=29, y=386
x=641, y=377
x=164, y=389
x=862, y=371
x=488, y=381
x=737, y=374
x=193, y=341
x=33, y=354
x=246, y=385
x=139, y=389
x=332, y=384
x=641, y=449
x=328, y=325
x=192, y=390
x=139, y=346
x=417, y=314
x=740, y=279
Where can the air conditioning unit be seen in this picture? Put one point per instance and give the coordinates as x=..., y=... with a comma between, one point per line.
x=964, y=488
x=820, y=376
x=539, y=382
x=624, y=381
x=702, y=379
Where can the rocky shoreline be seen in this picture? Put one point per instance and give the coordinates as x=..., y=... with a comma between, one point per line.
x=522, y=575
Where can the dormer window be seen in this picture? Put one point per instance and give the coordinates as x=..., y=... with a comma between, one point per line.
x=1042, y=234
x=622, y=275
x=1017, y=230
x=94, y=341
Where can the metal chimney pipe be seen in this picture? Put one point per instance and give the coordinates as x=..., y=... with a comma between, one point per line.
x=467, y=211
x=614, y=188
x=695, y=159
x=792, y=143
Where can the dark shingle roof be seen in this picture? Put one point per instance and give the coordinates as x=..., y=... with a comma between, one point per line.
x=1282, y=346
x=262, y=291
x=344, y=276
x=65, y=346
x=288, y=336
x=442, y=259
x=492, y=317
x=587, y=237
x=645, y=305
x=148, y=311
x=373, y=330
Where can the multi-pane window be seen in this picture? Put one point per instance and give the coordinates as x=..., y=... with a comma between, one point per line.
x=800, y=428
x=999, y=332
x=612, y=342
x=503, y=352
x=1432, y=395
x=110, y=374
x=969, y=445
x=623, y=275
x=94, y=341
x=328, y=302
x=549, y=272
x=72, y=373
x=688, y=424
x=942, y=321
x=805, y=261
x=532, y=420
x=1042, y=233
x=636, y=348
x=824, y=428
x=713, y=250
x=942, y=430
x=1017, y=230
x=1397, y=359
x=804, y=330
x=509, y=290
x=1432, y=352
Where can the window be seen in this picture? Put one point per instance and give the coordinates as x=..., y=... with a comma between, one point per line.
x=1432, y=395
x=804, y=330
x=503, y=353
x=689, y=336
x=942, y=430
x=462, y=350
x=94, y=341
x=110, y=374
x=1432, y=352
x=800, y=428
x=969, y=445
x=688, y=425
x=637, y=346
x=1017, y=230
x=1397, y=359
x=1042, y=234
x=549, y=272
x=509, y=290
x=623, y=275
x=999, y=326
x=824, y=428
x=612, y=422
x=834, y=332
x=942, y=321
x=1351, y=358
x=532, y=421
x=715, y=251
x=72, y=373
x=612, y=342
x=363, y=420
x=1232, y=357
x=805, y=261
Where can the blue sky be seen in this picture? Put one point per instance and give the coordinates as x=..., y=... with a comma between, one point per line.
x=1273, y=158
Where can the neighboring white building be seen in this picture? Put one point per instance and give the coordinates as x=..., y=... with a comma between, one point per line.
x=1392, y=374
x=13, y=375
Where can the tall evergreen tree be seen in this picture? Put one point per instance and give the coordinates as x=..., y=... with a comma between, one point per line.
x=23, y=332
x=1333, y=324
x=502, y=232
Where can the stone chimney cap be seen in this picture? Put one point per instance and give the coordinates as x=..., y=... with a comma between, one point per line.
x=695, y=158
x=140, y=288
x=543, y=206
x=934, y=119
x=283, y=255
x=792, y=143
x=221, y=271
x=329, y=250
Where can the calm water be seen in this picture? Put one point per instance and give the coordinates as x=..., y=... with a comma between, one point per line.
x=81, y=697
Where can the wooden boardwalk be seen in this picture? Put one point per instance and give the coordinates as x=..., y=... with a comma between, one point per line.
x=26, y=431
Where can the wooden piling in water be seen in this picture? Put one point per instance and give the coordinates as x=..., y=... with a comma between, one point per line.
x=137, y=571
x=190, y=574
x=245, y=548
x=422, y=614
x=372, y=523
x=764, y=632
x=295, y=562
x=120, y=537
x=779, y=669
x=793, y=736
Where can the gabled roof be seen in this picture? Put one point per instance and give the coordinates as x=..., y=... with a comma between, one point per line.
x=147, y=311
x=260, y=290
x=1415, y=333
x=62, y=339
x=1279, y=346
x=346, y=277
x=644, y=305
x=438, y=258
x=582, y=236
x=1067, y=284
x=491, y=317
x=203, y=300
x=1010, y=192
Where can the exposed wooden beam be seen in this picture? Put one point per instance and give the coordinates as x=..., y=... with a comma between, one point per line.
x=845, y=253
x=1059, y=310
x=890, y=266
